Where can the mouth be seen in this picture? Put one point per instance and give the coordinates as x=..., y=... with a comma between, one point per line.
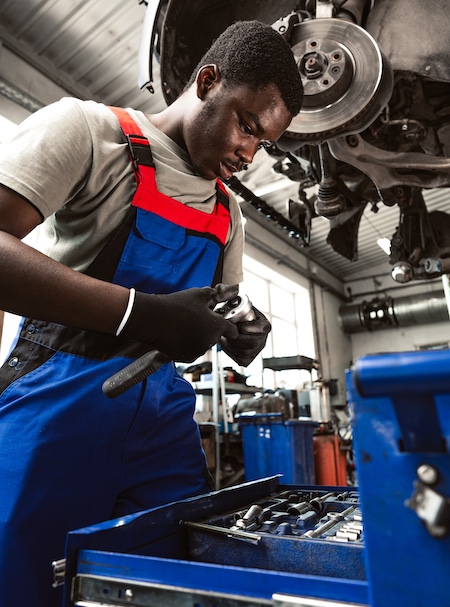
x=227, y=169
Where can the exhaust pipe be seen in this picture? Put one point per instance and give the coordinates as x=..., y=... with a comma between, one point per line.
x=389, y=312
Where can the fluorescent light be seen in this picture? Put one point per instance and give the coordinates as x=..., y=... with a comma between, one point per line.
x=385, y=244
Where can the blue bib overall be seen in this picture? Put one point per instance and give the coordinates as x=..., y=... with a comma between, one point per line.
x=71, y=457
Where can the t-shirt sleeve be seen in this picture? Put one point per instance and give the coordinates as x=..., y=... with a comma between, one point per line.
x=48, y=159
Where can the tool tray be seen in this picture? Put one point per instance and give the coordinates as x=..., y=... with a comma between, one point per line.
x=308, y=531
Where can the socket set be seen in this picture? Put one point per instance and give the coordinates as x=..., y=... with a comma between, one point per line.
x=277, y=533
x=330, y=516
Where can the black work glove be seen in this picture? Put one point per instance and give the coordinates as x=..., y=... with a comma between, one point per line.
x=250, y=341
x=182, y=325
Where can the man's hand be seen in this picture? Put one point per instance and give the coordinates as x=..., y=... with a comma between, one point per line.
x=182, y=325
x=250, y=341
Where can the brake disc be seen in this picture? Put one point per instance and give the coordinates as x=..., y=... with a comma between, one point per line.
x=347, y=80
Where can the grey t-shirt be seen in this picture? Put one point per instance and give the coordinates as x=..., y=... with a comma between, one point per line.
x=70, y=161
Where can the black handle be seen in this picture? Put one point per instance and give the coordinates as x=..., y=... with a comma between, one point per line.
x=133, y=373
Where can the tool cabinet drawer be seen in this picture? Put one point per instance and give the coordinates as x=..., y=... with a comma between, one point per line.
x=243, y=545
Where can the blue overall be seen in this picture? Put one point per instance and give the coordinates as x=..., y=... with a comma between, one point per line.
x=71, y=457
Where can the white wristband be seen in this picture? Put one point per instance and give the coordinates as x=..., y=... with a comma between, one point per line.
x=126, y=316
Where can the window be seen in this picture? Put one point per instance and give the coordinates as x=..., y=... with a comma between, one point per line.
x=287, y=305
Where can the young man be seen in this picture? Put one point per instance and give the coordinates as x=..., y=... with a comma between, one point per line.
x=127, y=263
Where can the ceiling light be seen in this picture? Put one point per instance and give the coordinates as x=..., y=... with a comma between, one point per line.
x=385, y=244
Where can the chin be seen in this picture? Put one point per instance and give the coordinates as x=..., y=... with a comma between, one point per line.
x=205, y=173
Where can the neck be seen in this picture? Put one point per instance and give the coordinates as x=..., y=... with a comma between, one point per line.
x=170, y=122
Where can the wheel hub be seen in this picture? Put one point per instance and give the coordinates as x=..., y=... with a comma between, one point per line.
x=346, y=79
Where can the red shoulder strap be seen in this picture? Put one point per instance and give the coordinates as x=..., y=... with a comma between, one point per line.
x=129, y=126
x=216, y=223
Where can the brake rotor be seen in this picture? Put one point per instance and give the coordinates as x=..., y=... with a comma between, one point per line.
x=347, y=81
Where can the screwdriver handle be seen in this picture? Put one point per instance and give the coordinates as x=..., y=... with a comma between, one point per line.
x=133, y=373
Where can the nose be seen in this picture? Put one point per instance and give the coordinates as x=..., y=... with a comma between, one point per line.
x=247, y=151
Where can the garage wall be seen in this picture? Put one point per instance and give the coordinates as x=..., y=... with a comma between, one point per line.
x=333, y=345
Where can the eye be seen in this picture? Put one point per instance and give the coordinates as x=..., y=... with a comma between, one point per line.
x=264, y=144
x=246, y=128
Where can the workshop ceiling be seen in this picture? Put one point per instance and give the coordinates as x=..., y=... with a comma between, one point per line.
x=89, y=49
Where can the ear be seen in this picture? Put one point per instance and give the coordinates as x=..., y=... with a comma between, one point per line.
x=207, y=77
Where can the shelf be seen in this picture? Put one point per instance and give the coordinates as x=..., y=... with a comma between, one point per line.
x=206, y=387
x=284, y=363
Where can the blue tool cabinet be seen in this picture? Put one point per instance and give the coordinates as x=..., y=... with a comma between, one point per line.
x=401, y=409
x=199, y=552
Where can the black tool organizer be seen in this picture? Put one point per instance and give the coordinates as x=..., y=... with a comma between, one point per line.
x=319, y=532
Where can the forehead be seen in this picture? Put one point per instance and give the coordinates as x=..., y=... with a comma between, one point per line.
x=264, y=107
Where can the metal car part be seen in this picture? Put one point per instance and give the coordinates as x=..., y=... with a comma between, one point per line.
x=146, y=46
x=387, y=169
x=347, y=81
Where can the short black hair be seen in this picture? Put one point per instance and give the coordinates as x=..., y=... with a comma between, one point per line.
x=254, y=54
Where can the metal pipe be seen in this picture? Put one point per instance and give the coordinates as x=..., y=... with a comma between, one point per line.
x=387, y=312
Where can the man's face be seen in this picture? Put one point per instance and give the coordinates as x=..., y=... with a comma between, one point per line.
x=230, y=126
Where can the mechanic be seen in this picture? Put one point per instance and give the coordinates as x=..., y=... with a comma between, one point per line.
x=124, y=263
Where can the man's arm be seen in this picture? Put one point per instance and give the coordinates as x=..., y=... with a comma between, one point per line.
x=37, y=286
x=182, y=325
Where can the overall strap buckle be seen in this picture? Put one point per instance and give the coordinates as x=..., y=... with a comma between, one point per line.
x=140, y=152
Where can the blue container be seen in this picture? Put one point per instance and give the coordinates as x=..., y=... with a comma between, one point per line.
x=273, y=445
